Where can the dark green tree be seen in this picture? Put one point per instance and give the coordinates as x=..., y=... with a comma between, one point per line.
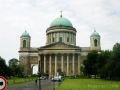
x=13, y=64
x=9, y=72
x=90, y=63
x=3, y=67
x=59, y=71
x=102, y=59
x=115, y=60
x=16, y=68
x=86, y=69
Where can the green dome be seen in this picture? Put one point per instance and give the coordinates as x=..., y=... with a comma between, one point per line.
x=25, y=34
x=95, y=34
x=61, y=21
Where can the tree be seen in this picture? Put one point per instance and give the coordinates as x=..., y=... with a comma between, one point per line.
x=87, y=69
x=113, y=64
x=9, y=71
x=102, y=59
x=90, y=63
x=14, y=65
x=116, y=60
x=59, y=71
x=3, y=67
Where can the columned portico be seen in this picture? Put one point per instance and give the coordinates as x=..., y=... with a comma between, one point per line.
x=64, y=62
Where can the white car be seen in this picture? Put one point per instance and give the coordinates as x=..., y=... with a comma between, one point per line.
x=57, y=79
x=42, y=78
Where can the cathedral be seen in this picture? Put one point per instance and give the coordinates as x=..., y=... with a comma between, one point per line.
x=60, y=52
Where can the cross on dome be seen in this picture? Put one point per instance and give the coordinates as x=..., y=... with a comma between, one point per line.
x=94, y=30
x=61, y=13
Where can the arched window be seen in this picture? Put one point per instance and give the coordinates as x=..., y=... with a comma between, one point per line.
x=24, y=43
x=95, y=43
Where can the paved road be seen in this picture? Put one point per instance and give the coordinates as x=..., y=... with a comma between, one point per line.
x=45, y=85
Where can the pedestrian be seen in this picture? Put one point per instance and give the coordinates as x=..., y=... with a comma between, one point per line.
x=35, y=82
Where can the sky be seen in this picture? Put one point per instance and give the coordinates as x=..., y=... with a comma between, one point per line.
x=35, y=16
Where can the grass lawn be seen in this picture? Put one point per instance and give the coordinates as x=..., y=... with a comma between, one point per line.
x=20, y=80
x=88, y=84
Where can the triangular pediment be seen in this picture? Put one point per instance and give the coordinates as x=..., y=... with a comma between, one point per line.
x=59, y=45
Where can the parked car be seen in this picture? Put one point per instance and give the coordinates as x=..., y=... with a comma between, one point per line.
x=42, y=78
x=56, y=79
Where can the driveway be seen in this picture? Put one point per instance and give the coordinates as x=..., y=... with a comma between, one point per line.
x=45, y=85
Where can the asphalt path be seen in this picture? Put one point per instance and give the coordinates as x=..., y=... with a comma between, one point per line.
x=45, y=85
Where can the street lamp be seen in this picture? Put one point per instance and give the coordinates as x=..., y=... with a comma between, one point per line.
x=39, y=77
x=14, y=76
x=53, y=80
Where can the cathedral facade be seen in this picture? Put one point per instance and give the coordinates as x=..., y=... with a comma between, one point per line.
x=60, y=52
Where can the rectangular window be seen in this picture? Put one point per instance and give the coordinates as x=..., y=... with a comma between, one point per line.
x=60, y=39
x=67, y=39
x=50, y=40
x=53, y=40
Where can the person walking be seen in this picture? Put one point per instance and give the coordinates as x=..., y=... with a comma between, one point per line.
x=35, y=82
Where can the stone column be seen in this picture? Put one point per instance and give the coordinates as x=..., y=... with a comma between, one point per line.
x=67, y=64
x=73, y=64
x=75, y=39
x=39, y=63
x=46, y=39
x=44, y=63
x=78, y=63
x=50, y=64
x=62, y=64
x=58, y=36
x=51, y=37
x=55, y=64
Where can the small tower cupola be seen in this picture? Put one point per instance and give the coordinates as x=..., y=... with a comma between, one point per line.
x=95, y=34
x=25, y=34
x=95, y=41
x=25, y=40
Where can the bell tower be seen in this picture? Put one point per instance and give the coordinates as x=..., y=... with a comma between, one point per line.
x=24, y=54
x=95, y=41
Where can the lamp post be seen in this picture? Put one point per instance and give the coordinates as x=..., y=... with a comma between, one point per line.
x=14, y=77
x=39, y=77
x=53, y=80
